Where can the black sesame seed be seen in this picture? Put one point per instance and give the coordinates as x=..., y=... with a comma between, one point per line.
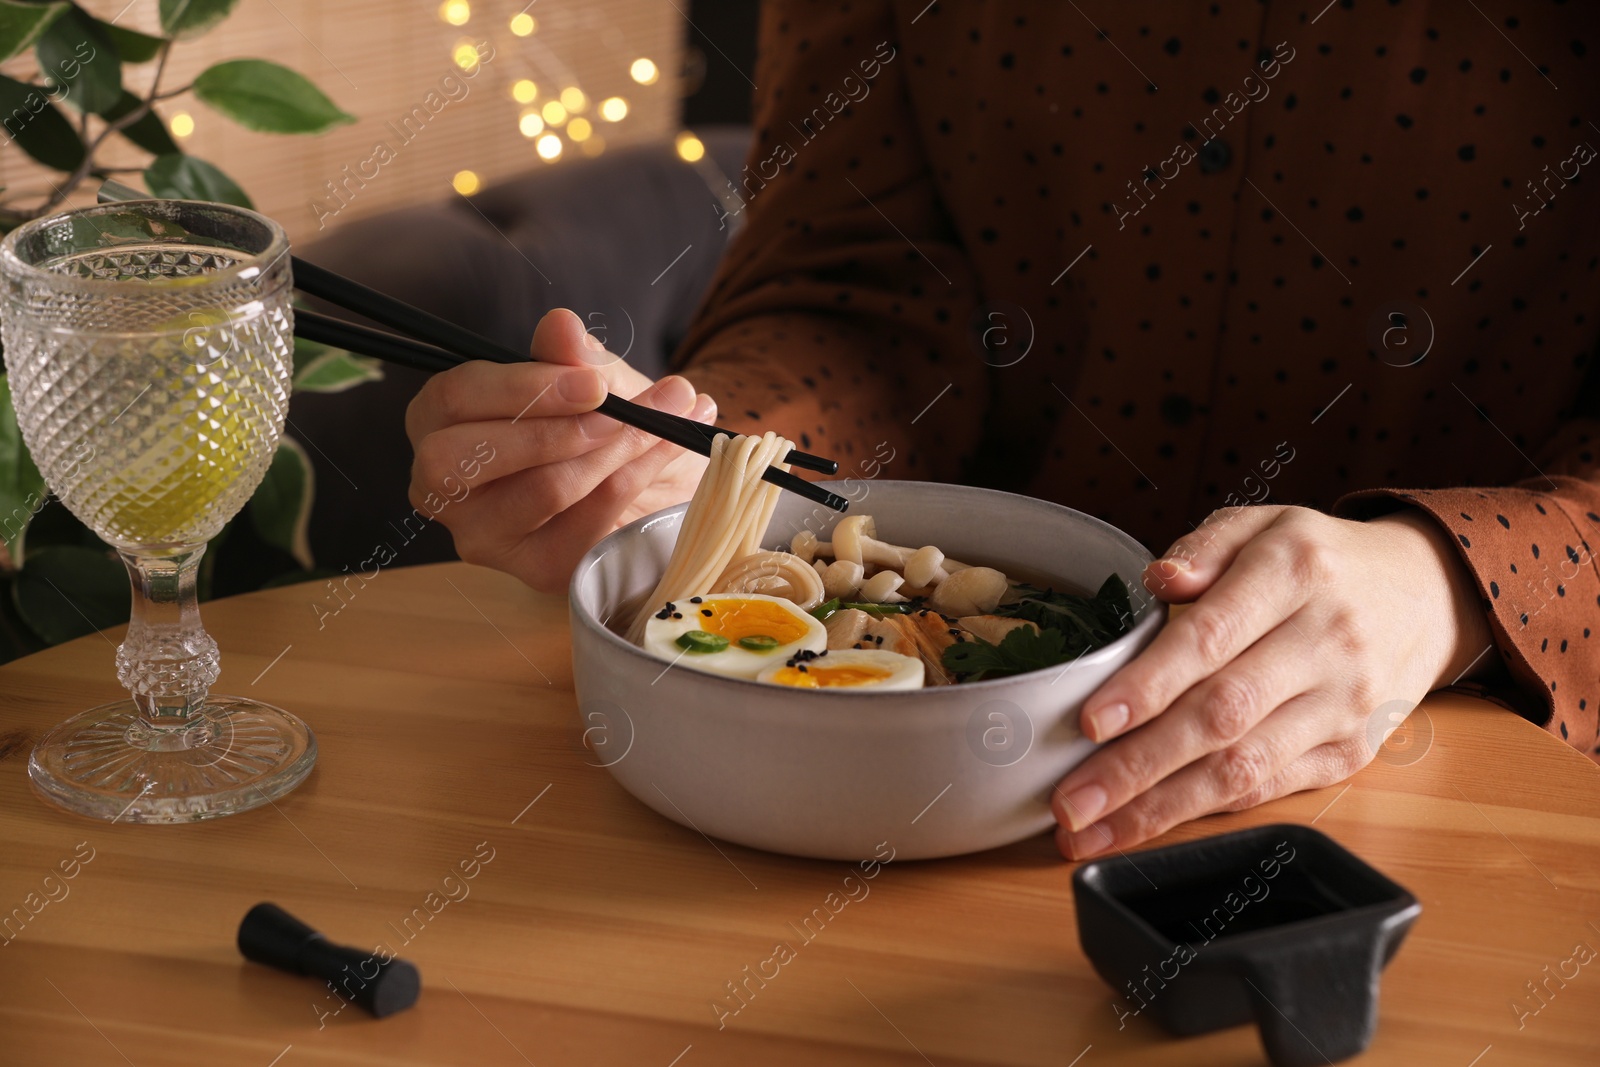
x=706, y=612
x=677, y=614
x=695, y=599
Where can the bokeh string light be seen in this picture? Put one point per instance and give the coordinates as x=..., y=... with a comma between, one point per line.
x=690, y=148
x=553, y=123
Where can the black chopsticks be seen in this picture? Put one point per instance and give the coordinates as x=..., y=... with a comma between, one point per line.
x=427, y=342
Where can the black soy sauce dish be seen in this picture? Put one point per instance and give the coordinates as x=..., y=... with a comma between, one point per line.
x=1277, y=924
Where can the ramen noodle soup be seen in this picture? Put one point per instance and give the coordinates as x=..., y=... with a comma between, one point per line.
x=853, y=612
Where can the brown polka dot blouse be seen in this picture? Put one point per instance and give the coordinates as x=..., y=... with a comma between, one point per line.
x=1149, y=260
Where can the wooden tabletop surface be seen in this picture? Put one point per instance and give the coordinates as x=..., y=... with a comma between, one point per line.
x=595, y=932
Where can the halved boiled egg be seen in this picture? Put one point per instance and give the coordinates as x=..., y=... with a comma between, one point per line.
x=848, y=668
x=738, y=634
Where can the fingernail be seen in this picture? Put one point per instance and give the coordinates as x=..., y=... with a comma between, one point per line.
x=1084, y=805
x=705, y=409
x=673, y=394
x=597, y=427
x=580, y=387
x=1106, y=721
x=1086, y=844
x=591, y=341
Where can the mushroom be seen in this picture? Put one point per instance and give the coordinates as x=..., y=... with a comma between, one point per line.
x=881, y=588
x=926, y=568
x=855, y=539
x=807, y=547
x=972, y=591
x=841, y=579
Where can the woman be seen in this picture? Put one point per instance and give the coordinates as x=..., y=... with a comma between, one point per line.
x=1188, y=257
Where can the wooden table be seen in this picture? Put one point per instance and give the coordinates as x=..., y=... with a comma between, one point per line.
x=599, y=933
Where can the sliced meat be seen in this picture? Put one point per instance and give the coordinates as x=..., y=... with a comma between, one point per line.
x=845, y=628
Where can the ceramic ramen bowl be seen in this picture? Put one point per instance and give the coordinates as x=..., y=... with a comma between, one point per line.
x=834, y=774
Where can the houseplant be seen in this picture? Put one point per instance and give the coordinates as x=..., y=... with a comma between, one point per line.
x=57, y=580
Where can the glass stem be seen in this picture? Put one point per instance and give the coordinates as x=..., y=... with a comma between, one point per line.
x=168, y=661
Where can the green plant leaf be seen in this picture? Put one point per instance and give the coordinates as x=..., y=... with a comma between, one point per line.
x=22, y=488
x=335, y=371
x=131, y=45
x=149, y=133
x=76, y=54
x=306, y=351
x=38, y=126
x=21, y=24
x=65, y=592
x=264, y=96
x=281, y=506
x=181, y=177
x=190, y=18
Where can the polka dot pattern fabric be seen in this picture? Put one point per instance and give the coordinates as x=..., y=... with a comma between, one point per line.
x=1150, y=260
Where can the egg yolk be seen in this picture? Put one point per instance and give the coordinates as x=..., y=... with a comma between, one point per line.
x=814, y=677
x=734, y=619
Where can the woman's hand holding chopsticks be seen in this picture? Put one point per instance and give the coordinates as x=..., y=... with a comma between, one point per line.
x=527, y=476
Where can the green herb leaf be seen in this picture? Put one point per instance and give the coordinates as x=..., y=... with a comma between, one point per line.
x=1021, y=650
x=38, y=126
x=149, y=133
x=280, y=510
x=77, y=57
x=22, y=488
x=266, y=97
x=22, y=24
x=1070, y=626
x=66, y=592
x=1088, y=622
x=131, y=45
x=181, y=177
x=190, y=18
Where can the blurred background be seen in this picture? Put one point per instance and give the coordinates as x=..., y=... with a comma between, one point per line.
x=505, y=157
x=637, y=71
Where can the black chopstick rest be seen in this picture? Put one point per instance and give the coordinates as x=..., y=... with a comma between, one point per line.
x=1279, y=924
x=272, y=936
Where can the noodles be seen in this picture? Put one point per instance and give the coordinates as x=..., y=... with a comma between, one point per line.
x=776, y=574
x=726, y=519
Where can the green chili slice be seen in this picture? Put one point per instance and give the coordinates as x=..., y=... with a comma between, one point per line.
x=758, y=643
x=700, y=641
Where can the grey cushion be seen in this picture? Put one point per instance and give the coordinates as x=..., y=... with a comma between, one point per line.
x=594, y=235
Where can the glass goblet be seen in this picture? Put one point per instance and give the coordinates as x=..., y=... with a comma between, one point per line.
x=149, y=349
